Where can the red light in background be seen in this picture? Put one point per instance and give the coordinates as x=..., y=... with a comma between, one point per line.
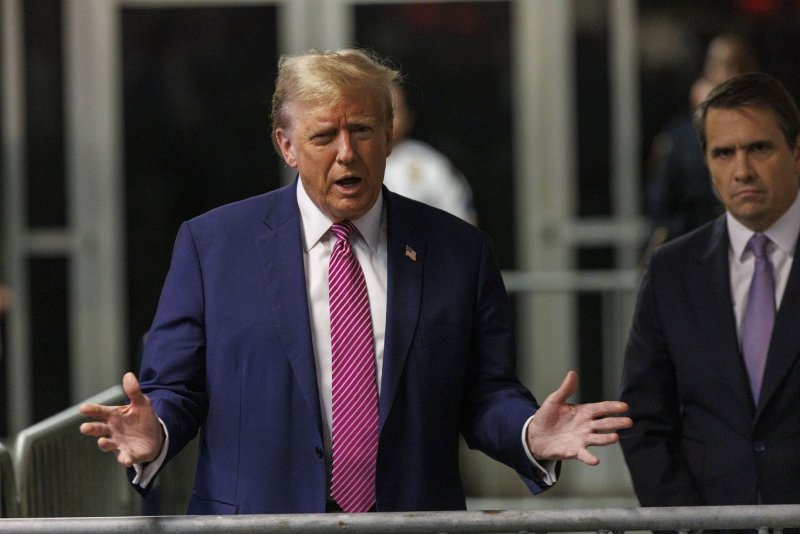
x=759, y=7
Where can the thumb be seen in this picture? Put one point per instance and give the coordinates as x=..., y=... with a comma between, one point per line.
x=131, y=387
x=567, y=388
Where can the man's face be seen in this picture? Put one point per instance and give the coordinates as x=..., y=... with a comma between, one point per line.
x=752, y=167
x=340, y=152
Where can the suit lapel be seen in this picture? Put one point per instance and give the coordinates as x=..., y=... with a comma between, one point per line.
x=785, y=345
x=711, y=291
x=406, y=260
x=281, y=254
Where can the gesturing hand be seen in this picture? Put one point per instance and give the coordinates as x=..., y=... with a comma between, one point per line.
x=562, y=431
x=132, y=432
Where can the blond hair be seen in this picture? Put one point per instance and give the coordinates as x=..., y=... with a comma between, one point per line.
x=325, y=77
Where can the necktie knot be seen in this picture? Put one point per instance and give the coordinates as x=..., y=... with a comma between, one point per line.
x=343, y=230
x=758, y=244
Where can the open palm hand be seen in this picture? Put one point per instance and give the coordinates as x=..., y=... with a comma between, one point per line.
x=563, y=431
x=132, y=431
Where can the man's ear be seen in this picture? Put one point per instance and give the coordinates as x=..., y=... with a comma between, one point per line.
x=389, y=138
x=796, y=155
x=284, y=142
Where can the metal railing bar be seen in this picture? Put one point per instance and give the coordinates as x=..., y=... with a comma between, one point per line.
x=68, y=418
x=28, y=478
x=571, y=281
x=577, y=520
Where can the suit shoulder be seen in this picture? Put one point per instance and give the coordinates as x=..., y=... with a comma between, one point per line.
x=697, y=243
x=252, y=208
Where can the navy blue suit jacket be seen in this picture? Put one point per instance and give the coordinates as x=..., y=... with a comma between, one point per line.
x=230, y=354
x=698, y=438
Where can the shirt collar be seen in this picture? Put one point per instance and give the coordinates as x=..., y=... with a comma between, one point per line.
x=783, y=233
x=315, y=224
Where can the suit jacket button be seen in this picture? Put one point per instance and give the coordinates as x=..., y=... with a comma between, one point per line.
x=759, y=446
x=319, y=452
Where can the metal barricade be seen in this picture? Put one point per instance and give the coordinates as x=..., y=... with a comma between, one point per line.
x=61, y=473
x=601, y=520
x=8, y=488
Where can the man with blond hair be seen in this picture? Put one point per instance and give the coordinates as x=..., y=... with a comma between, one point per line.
x=318, y=387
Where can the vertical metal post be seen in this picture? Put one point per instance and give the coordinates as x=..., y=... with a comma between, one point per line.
x=543, y=93
x=93, y=103
x=19, y=368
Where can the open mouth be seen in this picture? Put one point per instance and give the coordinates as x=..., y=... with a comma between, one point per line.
x=348, y=181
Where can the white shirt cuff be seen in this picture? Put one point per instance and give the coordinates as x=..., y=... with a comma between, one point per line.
x=547, y=467
x=146, y=472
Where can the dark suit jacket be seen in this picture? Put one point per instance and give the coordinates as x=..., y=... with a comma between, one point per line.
x=697, y=437
x=230, y=353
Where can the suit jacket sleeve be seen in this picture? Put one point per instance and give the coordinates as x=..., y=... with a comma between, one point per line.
x=652, y=447
x=498, y=406
x=176, y=384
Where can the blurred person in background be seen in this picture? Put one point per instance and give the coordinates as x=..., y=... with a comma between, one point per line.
x=678, y=192
x=417, y=170
x=711, y=371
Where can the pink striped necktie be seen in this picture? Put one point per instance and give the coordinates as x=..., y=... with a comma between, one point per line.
x=354, y=395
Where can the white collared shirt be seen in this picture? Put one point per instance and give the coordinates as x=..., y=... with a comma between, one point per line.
x=369, y=245
x=781, y=249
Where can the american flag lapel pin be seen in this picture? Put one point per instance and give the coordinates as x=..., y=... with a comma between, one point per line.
x=411, y=253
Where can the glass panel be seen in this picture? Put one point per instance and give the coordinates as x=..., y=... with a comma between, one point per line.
x=44, y=113
x=593, y=114
x=456, y=59
x=591, y=321
x=197, y=90
x=592, y=90
x=49, y=330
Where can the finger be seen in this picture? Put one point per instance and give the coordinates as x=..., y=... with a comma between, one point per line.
x=89, y=409
x=97, y=411
x=612, y=423
x=132, y=389
x=94, y=429
x=567, y=388
x=601, y=440
x=604, y=408
x=106, y=444
x=587, y=457
x=125, y=459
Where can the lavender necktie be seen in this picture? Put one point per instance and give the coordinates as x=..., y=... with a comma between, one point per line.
x=759, y=315
x=354, y=393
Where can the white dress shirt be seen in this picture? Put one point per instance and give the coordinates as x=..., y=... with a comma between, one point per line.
x=781, y=248
x=369, y=246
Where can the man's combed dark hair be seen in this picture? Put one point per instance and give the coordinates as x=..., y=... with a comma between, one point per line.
x=754, y=89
